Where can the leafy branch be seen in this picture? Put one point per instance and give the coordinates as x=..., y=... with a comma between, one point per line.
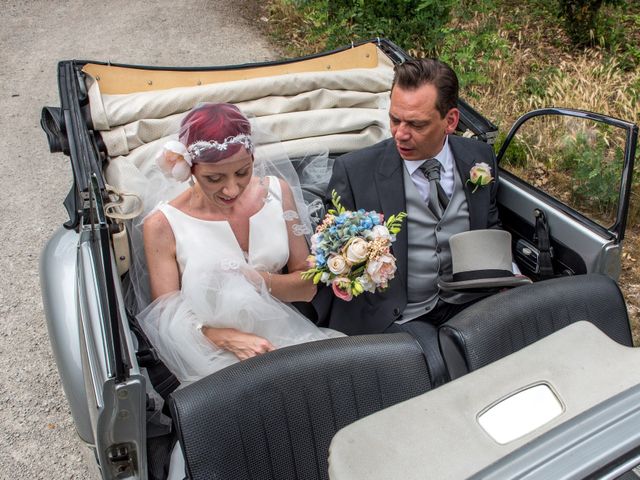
x=335, y=200
x=394, y=223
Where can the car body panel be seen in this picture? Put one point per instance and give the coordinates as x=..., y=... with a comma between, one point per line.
x=58, y=285
x=437, y=434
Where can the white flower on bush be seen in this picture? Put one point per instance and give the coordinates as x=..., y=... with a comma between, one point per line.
x=356, y=250
x=337, y=265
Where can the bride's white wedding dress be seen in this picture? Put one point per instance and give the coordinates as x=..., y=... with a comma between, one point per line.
x=215, y=292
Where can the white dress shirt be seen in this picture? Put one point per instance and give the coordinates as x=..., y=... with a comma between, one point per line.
x=445, y=157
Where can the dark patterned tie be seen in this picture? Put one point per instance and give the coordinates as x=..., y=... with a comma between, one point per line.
x=438, y=200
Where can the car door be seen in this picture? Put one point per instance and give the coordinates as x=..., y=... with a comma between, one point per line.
x=114, y=390
x=565, y=183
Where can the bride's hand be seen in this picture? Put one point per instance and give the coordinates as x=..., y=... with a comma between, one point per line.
x=243, y=345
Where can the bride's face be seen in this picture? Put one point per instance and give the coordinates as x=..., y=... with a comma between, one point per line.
x=225, y=181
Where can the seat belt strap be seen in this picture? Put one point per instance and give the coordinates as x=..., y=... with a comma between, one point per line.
x=543, y=241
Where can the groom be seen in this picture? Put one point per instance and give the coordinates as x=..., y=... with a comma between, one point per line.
x=399, y=174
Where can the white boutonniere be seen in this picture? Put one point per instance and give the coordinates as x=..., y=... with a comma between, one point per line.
x=480, y=176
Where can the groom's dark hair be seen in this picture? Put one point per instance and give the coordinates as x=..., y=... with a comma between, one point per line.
x=413, y=74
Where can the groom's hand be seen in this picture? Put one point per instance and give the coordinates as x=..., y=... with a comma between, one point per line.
x=243, y=345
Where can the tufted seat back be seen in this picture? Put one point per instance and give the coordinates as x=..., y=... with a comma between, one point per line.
x=273, y=416
x=506, y=322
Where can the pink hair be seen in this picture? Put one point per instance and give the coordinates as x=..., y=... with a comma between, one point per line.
x=217, y=122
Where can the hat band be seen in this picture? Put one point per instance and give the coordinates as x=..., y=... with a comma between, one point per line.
x=480, y=274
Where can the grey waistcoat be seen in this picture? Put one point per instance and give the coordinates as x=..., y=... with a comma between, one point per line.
x=428, y=254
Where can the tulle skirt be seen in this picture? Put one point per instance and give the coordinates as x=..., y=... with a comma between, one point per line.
x=224, y=299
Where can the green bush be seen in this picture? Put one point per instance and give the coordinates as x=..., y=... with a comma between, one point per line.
x=517, y=154
x=470, y=51
x=581, y=19
x=595, y=177
x=412, y=24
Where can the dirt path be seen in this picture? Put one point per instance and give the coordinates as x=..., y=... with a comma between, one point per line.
x=37, y=437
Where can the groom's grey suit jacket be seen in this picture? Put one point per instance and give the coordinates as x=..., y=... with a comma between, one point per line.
x=373, y=179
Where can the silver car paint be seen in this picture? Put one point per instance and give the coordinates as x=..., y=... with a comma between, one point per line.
x=59, y=292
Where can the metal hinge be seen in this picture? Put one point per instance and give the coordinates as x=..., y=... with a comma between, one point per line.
x=121, y=460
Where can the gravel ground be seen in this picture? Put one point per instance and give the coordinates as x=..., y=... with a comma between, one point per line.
x=37, y=436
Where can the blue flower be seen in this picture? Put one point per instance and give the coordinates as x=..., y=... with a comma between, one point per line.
x=366, y=223
x=340, y=219
x=320, y=259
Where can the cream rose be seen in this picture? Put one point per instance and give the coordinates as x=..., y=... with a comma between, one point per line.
x=380, y=231
x=356, y=251
x=338, y=265
x=382, y=270
x=480, y=174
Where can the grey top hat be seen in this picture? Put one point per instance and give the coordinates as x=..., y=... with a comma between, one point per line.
x=481, y=259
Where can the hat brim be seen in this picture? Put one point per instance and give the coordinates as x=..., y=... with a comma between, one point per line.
x=483, y=283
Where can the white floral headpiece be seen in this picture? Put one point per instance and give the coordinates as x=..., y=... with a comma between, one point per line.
x=175, y=160
x=198, y=148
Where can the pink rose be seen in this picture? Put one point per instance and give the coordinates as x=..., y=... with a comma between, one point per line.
x=382, y=269
x=341, y=288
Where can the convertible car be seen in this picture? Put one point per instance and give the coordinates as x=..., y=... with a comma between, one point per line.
x=536, y=382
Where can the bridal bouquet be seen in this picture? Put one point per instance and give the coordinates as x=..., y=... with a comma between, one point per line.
x=351, y=251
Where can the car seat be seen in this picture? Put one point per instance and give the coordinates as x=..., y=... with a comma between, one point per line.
x=274, y=415
x=508, y=321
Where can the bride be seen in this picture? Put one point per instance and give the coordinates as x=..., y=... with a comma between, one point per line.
x=216, y=253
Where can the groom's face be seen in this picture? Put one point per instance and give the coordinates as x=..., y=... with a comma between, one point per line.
x=416, y=125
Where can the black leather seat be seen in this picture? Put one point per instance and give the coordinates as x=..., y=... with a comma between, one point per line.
x=273, y=416
x=508, y=321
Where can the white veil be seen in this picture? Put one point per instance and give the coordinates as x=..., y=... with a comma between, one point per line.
x=172, y=322
x=307, y=177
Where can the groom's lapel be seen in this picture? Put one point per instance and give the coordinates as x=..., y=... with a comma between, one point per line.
x=478, y=202
x=390, y=190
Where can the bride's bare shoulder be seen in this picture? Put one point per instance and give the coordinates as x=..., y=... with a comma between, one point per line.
x=156, y=224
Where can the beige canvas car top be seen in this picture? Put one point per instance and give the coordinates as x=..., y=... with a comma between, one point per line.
x=337, y=102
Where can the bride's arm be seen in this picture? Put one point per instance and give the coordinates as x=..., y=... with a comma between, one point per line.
x=290, y=287
x=160, y=251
